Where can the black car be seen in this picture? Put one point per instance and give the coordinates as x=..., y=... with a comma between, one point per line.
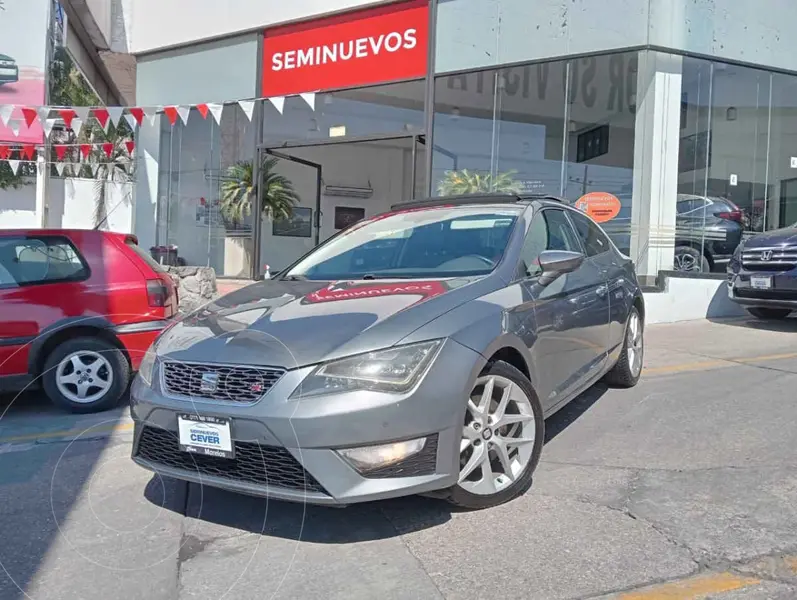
x=9, y=71
x=762, y=274
x=707, y=231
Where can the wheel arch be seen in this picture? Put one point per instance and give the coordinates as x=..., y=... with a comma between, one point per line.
x=52, y=336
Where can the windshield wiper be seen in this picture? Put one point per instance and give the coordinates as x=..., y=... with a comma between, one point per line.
x=294, y=278
x=369, y=276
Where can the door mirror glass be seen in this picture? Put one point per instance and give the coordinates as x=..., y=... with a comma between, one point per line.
x=554, y=263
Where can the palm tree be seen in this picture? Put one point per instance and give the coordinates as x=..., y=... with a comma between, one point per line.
x=238, y=191
x=460, y=183
x=112, y=170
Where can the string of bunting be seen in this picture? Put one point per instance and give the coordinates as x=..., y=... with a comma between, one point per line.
x=75, y=118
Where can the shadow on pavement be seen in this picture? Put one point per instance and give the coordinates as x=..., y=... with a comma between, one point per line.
x=561, y=420
x=750, y=322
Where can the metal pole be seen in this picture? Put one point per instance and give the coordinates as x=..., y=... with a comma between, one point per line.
x=257, y=209
x=429, y=97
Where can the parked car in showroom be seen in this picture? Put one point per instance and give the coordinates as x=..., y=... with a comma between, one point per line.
x=426, y=367
x=78, y=310
x=9, y=71
x=762, y=275
x=707, y=231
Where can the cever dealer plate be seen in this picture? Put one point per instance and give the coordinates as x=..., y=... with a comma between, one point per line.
x=205, y=435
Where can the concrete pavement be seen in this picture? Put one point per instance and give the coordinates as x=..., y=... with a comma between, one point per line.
x=684, y=487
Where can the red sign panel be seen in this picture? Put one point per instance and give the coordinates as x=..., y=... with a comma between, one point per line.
x=365, y=47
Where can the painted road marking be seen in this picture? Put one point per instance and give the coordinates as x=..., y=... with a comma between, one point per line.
x=693, y=588
x=69, y=434
x=714, y=364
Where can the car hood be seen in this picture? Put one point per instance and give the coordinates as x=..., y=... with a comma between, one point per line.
x=778, y=237
x=6, y=57
x=292, y=324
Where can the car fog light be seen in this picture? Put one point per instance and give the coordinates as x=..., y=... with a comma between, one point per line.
x=368, y=458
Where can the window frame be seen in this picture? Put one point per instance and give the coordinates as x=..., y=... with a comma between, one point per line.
x=583, y=243
x=50, y=240
x=523, y=274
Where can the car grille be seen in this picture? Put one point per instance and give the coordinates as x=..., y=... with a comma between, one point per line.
x=227, y=383
x=770, y=259
x=253, y=463
x=789, y=295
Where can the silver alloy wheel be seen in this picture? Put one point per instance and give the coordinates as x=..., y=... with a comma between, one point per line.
x=84, y=377
x=686, y=262
x=497, y=437
x=634, y=344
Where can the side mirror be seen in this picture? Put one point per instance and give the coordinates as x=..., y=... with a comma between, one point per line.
x=555, y=263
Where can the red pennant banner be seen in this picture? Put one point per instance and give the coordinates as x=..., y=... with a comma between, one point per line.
x=67, y=114
x=138, y=114
x=171, y=113
x=28, y=151
x=30, y=114
x=203, y=110
x=60, y=151
x=107, y=147
x=130, y=146
x=5, y=152
x=85, y=150
x=102, y=116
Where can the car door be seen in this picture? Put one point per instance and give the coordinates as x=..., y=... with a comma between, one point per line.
x=564, y=349
x=608, y=270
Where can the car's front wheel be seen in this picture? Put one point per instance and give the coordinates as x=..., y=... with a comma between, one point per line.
x=86, y=375
x=502, y=439
x=769, y=313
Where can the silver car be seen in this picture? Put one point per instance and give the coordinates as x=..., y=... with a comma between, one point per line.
x=416, y=352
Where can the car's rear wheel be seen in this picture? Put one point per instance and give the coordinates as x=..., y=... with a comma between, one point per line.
x=628, y=369
x=502, y=439
x=86, y=375
x=769, y=313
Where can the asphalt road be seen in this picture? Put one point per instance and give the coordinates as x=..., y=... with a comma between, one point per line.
x=684, y=487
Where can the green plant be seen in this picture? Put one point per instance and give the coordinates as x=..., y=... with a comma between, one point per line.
x=238, y=191
x=462, y=182
x=111, y=170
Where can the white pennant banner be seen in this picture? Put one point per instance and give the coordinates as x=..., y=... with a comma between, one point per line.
x=14, y=164
x=309, y=97
x=14, y=126
x=184, y=112
x=131, y=120
x=152, y=115
x=248, y=106
x=44, y=114
x=115, y=113
x=77, y=125
x=82, y=113
x=216, y=110
x=59, y=168
x=278, y=102
x=48, y=125
x=5, y=113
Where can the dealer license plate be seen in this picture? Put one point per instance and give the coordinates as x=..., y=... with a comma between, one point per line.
x=205, y=435
x=8, y=71
x=761, y=283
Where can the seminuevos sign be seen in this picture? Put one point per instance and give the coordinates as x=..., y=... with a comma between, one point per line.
x=365, y=47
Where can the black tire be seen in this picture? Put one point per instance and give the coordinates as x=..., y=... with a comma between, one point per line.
x=460, y=497
x=116, y=360
x=622, y=374
x=687, y=254
x=770, y=314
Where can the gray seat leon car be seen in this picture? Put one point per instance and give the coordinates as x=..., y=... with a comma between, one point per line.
x=416, y=352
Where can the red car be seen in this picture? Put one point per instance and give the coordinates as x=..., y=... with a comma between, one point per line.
x=78, y=310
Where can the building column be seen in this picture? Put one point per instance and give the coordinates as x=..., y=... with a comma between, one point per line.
x=656, y=141
x=145, y=203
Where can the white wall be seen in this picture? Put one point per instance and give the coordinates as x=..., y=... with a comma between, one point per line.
x=157, y=24
x=71, y=206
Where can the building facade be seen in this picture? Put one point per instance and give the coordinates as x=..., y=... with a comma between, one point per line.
x=674, y=122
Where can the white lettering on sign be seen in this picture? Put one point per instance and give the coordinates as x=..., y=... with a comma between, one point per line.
x=359, y=48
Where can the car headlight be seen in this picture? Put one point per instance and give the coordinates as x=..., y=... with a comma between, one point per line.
x=394, y=370
x=147, y=366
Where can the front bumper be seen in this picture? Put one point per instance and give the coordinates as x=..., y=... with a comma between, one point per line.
x=286, y=449
x=9, y=74
x=781, y=294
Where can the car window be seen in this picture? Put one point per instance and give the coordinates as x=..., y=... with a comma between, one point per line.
x=417, y=243
x=146, y=257
x=549, y=230
x=45, y=259
x=592, y=237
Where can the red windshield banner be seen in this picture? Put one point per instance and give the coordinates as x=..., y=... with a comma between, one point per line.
x=365, y=47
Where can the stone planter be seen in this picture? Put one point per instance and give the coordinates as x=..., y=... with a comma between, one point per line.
x=196, y=286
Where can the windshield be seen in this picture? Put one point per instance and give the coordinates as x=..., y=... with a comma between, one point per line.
x=432, y=242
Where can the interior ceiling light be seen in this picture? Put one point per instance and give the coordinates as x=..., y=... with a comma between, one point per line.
x=348, y=191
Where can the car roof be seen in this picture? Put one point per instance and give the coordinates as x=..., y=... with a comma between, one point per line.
x=65, y=232
x=477, y=200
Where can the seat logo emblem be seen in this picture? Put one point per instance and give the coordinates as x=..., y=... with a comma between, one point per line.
x=209, y=382
x=766, y=255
